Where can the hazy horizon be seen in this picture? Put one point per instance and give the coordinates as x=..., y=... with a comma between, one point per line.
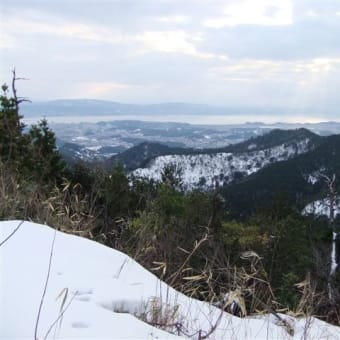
x=94, y=110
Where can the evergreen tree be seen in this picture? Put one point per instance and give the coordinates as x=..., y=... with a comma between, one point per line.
x=12, y=141
x=172, y=175
x=44, y=161
x=34, y=154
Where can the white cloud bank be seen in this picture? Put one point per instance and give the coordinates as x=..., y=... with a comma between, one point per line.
x=250, y=12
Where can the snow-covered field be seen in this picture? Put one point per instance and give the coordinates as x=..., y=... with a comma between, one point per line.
x=209, y=170
x=95, y=292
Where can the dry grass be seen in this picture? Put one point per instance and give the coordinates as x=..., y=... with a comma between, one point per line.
x=65, y=207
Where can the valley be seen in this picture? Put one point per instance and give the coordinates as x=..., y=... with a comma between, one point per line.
x=251, y=164
x=95, y=130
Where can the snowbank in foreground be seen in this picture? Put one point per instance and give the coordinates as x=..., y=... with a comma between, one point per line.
x=105, y=289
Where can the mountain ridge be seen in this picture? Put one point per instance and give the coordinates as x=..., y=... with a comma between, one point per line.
x=106, y=107
x=272, y=138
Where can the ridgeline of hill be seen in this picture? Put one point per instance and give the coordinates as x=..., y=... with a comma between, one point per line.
x=139, y=156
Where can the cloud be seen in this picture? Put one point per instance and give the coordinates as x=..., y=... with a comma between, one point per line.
x=100, y=90
x=312, y=32
x=174, y=19
x=235, y=52
x=303, y=40
x=249, y=12
x=55, y=27
x=169, y=41
x=321, y=9
x=178, y=41
x=166, y=41
x=302, y=72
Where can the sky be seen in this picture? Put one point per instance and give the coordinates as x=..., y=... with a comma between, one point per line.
x=234, y=53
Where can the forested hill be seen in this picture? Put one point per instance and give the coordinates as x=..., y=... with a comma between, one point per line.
x=273, y=138
x=207, y=170
x=140, y=155
x=297, y=179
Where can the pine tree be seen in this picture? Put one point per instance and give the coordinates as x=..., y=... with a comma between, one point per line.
x=45, y=161
x=12, y=141
x=33, y=155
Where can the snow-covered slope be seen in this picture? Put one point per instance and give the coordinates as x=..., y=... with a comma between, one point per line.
x=209, y=170
x=106, y=290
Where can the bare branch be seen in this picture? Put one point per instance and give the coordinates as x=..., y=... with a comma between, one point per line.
x=23, y=99
x=12, y=233
x=45, y=288
x=17, y=100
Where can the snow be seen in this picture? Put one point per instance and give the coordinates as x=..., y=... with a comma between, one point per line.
x=252, y=146
x=312, y=179
x=106, y=291
x=80, y=138
x=220, y=168
x=315, y=176
x=321, y=207
x=94, y=148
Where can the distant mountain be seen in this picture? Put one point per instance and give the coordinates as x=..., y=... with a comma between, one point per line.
x=101, y=107
x=220, y=167
x=273, y=138
x=139, y=156
x=85, y=107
